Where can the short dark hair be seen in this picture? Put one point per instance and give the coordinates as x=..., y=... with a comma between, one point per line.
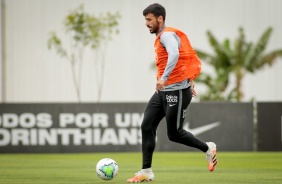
x=156, y=9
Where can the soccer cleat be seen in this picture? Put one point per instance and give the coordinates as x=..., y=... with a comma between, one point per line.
x=211, y=156
x=141, y=176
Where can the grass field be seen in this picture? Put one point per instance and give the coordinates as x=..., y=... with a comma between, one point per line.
x=169, y=168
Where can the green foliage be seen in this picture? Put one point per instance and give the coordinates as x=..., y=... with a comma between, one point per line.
x=90, y=30
x=55, y=42
x=244, y=57
x=85, y=30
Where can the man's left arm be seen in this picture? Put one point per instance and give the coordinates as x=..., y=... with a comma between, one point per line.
x=171, y=43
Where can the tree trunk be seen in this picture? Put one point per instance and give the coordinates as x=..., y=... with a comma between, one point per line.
x=239, y=77
x=75, y=80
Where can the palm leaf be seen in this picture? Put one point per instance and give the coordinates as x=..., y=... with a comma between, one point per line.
x=205, y=79
x=222, y=52
x=240, y=46
x=232, y=94
x=268, y=59
x=256, y=52
x=204, y=55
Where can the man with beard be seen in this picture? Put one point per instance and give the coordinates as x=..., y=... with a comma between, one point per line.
x=178, y=65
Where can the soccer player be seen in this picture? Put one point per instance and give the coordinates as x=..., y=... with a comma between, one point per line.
x=177, y=64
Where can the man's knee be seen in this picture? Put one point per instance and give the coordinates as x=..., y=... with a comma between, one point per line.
x=145, y=126
x=176, y=136
x=173, y=137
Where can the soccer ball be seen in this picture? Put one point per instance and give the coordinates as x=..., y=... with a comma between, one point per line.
x=107, y=169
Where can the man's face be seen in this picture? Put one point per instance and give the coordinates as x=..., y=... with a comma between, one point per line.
x=152, y=23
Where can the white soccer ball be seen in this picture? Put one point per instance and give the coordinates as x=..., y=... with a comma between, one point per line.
x=107, y=169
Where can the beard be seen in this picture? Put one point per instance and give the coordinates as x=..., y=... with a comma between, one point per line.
x=154, y=29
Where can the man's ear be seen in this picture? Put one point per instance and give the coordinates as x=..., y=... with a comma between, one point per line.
x=160, y=19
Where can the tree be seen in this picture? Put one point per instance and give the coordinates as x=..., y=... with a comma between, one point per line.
x=85, y=30
x=244, y=57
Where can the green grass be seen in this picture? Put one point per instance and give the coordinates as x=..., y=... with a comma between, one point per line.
x=169, y=168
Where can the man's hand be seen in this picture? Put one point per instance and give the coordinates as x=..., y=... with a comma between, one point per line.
x=193, y=89
x=160, y=85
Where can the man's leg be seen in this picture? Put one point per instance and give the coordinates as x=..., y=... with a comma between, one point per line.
x=153, y=115
x=175, y=116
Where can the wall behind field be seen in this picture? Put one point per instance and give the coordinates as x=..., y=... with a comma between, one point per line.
x=35, y=74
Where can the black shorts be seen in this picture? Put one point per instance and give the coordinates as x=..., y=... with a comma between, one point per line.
x=169, y=104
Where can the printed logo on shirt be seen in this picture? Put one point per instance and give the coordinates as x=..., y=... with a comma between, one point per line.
x=170, y=98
